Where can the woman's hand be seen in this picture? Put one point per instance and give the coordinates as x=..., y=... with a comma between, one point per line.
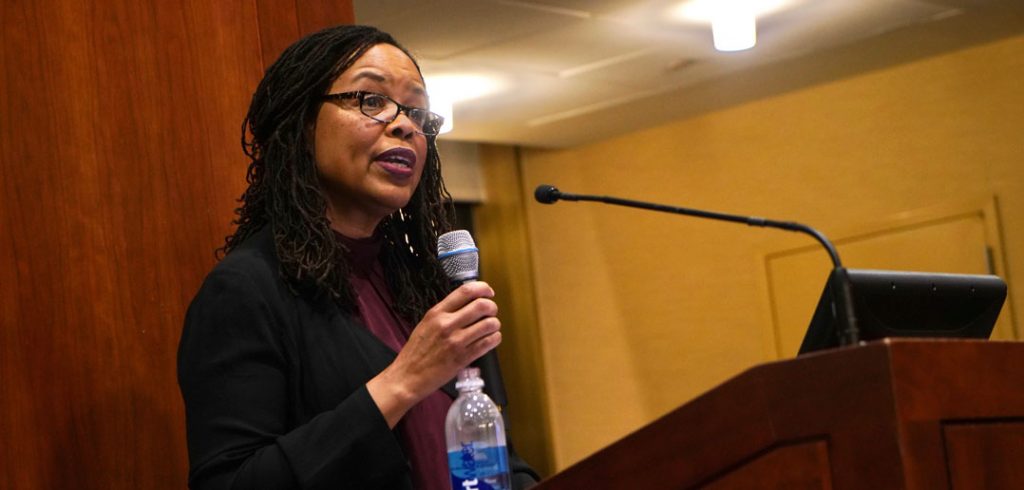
x=452, y=334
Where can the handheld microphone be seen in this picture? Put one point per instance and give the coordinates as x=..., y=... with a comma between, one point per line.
x=459, y=256
x=549, y=194
x=460, y=260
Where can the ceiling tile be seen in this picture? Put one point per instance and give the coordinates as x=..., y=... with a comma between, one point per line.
x=574, y=70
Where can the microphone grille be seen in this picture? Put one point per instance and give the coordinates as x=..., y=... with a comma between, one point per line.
x=458, y=255
x=546, y=194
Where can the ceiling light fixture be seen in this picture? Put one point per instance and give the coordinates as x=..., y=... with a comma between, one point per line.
x=442, y=105
x=734, y=29
x=449, y=89
x=733, y=22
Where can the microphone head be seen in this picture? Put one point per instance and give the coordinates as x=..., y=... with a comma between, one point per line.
x=458, y=255
x=546, y=194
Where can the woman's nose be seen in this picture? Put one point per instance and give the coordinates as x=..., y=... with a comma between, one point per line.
x=402, y=127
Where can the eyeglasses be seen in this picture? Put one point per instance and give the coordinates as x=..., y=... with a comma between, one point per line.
x=384, y=109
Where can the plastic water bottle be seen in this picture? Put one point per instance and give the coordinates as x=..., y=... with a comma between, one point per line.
x=477, y=456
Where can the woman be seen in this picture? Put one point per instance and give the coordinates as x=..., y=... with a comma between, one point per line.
x=287, y=362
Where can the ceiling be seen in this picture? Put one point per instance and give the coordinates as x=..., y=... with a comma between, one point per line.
x=574, y=71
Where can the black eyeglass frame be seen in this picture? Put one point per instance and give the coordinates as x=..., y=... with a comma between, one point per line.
x=430, y=119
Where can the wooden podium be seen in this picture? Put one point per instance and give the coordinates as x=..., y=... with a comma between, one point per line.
x=894, y=414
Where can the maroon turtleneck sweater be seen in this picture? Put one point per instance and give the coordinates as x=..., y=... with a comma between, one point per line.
x=421, y=430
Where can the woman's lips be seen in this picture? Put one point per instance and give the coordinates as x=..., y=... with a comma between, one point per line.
x=399, y=162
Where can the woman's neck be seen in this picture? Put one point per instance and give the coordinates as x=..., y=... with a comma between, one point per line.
x=353, y=231
x=353, y=224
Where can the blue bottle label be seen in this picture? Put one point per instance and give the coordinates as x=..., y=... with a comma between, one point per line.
x=479, y=468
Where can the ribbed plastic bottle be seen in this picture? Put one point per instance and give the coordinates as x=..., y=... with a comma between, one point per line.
x=477, y=456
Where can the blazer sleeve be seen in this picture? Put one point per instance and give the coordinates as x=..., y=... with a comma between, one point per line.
x=233, y=374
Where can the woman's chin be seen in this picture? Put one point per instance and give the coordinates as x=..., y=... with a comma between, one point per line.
x=393, y=201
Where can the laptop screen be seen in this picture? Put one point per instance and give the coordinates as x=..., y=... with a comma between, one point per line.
x=910, y=304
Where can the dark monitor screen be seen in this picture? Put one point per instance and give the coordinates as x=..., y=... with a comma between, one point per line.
x=910, y=304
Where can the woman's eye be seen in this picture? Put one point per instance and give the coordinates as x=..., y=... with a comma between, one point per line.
x=418, y=116
x=374, y=102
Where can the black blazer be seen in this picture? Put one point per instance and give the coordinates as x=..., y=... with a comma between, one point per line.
x=275, y=387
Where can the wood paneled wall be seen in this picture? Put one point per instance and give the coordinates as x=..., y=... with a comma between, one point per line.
x=119, y=167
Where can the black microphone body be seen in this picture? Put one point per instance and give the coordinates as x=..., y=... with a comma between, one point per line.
x=840, y=282
x=490, y=370
x=459, y=257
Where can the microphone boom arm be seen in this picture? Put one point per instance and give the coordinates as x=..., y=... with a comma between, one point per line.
x=748, y=220
x=839, y=280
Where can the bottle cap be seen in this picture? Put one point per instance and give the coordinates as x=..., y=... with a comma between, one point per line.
x=469, y=378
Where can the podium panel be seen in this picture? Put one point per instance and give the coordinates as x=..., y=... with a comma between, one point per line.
x=985, y=455
x=793, y=466
x=894, y=414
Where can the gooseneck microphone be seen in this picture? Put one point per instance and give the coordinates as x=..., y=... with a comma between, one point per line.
x=460, y=260
x=840, y=282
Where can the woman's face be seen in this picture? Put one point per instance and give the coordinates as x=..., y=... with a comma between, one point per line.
x=370, y=169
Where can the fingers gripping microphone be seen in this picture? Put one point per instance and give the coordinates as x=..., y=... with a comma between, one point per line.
x=461, y=262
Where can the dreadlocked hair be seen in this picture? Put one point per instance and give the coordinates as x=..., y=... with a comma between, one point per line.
x=284, y=191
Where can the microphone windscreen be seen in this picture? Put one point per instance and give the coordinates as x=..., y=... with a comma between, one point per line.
x=458, y=255
x=546, y=194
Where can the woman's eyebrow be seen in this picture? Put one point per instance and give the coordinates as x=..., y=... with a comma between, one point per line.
x=372, y=75
x=417, y=89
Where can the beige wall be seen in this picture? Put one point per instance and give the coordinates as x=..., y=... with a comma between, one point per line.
x=638, y=312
